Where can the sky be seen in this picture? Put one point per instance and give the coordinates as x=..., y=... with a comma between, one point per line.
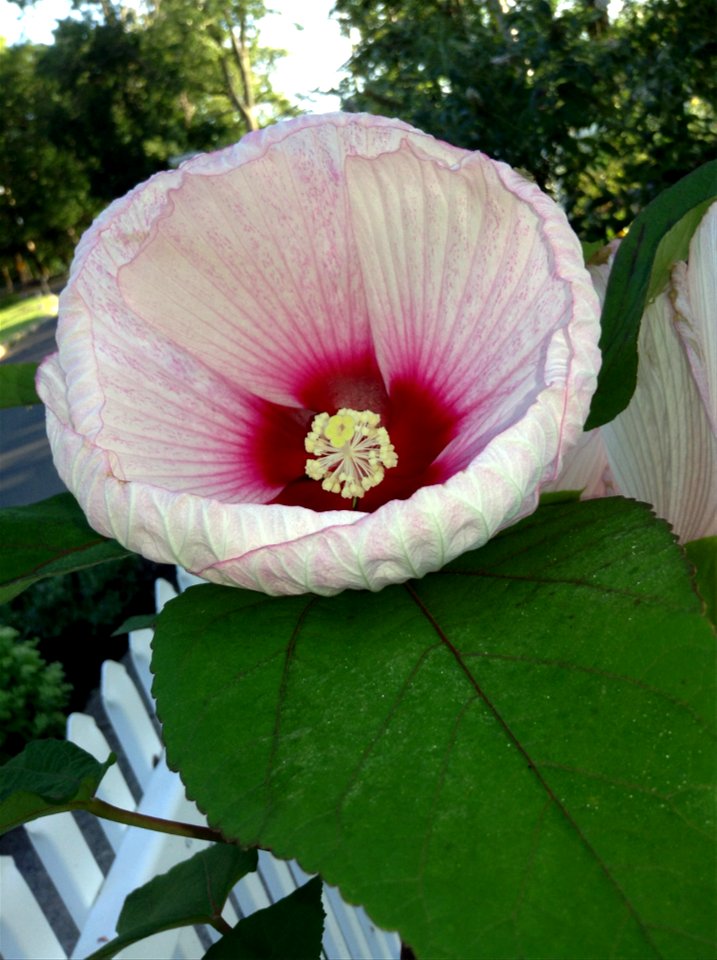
x=316, y=53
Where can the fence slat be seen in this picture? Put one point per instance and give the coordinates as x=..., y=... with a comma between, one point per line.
x=185, y=579
x=129, y=718
x=354, y=935
x=384, y=944
x=251, y=895
x=24, y=930
x=94, y=901
x=276, y=875
x=163, y=593
x=83, y=730
x=140, y=650
x=143, y=855
x=335, y=945
x=69, y=862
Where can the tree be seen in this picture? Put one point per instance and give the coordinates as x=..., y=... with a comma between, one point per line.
x=215, y=45
x=117, y=97
x=44, y=190
x=602, y=113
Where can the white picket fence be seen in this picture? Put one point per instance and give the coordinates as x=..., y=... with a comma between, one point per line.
x=94, y=899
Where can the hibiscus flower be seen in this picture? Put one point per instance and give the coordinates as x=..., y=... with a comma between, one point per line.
x=662, y=449
x=335, y=355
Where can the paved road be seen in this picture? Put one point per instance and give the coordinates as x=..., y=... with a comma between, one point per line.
x=27, y=473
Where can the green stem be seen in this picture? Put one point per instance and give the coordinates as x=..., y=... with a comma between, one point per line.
x=134, y=819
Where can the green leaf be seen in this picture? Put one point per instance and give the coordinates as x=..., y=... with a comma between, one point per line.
x=293, y=927
x=143, y=621
x=194, y=891
x=674, y=246
x=559, y=496
x=659, y=235
x=17, y=385
x=48, y=539
x=510, y=757
x=49, y=776
x=703, y=554
x=590, y=248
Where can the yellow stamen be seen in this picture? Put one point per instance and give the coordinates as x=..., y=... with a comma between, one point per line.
x=352, y=452
x=339, y=429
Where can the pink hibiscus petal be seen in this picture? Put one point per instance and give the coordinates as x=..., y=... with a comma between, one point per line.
x=161, y=415
x=662, y=449
x=253, y=262
x=462, y=270
x=586, y=469
x=695, y=288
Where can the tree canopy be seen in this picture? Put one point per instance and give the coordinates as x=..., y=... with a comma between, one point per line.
x=117, y=97
x=603, y=113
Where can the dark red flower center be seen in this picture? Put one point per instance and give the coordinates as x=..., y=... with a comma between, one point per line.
x=418, y=424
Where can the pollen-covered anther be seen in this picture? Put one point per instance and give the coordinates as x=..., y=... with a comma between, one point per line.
x=352, y=451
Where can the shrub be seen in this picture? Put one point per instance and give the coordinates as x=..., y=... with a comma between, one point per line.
x=33, y=694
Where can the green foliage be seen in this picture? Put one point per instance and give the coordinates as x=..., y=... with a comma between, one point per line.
x=194, y=891
x=33, y=694
x=603, y=113
x=126, y=104
x=510, y=757
x=703, y=553
x=19, y=314
x=140, y=622
x=49, y=776
x=71, y=588
x=44, y=189
x=213, y=49
x=17, y=385
x=659, y=236
x=119, y=96
x=75, y=615
x=48, y=539
x=89, y=600
x=292, y=927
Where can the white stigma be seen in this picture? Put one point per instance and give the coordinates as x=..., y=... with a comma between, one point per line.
x=352, y=452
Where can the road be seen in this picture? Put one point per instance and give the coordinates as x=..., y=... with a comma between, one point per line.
x=27, y=473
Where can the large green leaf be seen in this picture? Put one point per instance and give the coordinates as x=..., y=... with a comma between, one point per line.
x=47, y=539
x=659, y=235
x=507, y=758
x=17, y=385
x=292, y=927
x=194, y=891
x=49, y=776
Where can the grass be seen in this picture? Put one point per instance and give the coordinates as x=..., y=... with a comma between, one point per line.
x=18, y=316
